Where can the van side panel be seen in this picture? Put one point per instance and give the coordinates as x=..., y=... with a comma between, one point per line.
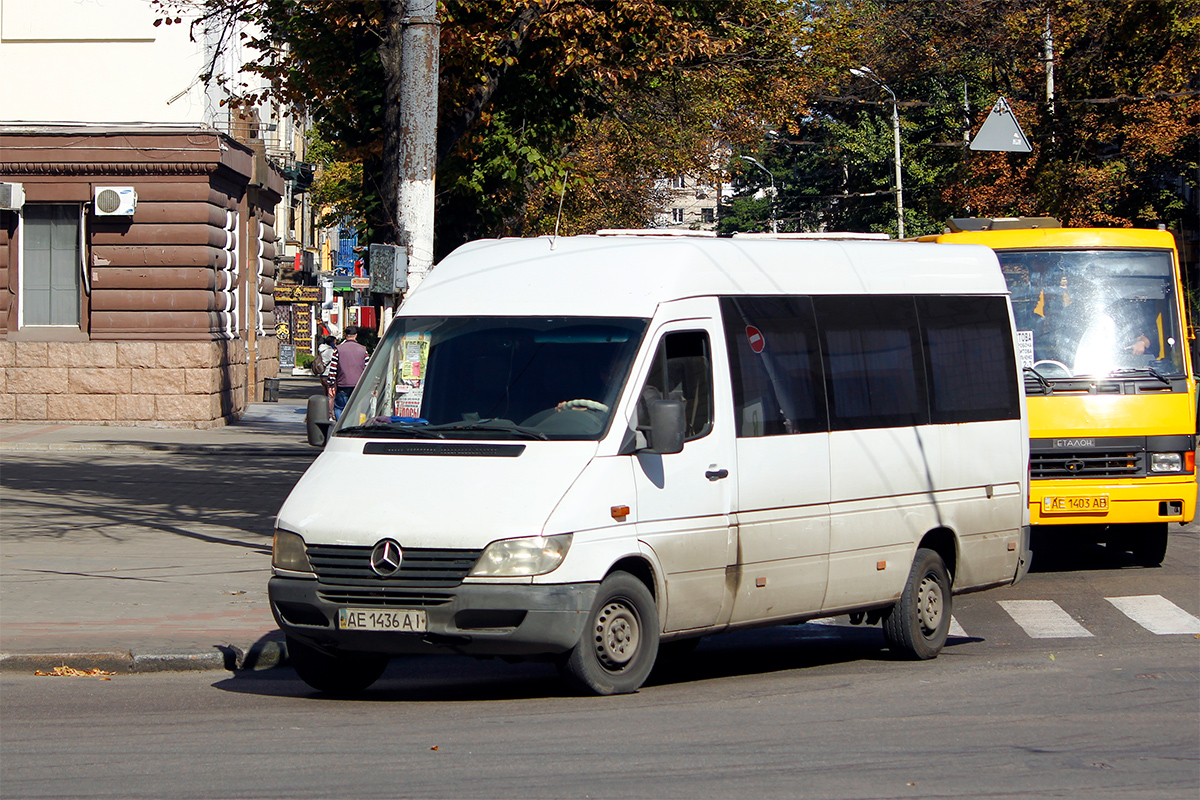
x=782, y=525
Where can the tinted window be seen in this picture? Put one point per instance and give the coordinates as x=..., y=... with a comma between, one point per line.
x=775, y=365
x=874, y=370
x=971, y=366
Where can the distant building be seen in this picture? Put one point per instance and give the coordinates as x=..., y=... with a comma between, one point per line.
x=690, y=204
x=143, y=222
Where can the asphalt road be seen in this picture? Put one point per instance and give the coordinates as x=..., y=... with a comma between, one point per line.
x=1014, y=707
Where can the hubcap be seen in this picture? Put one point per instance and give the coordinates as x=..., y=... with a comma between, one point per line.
x=617, y=635
x=929, y=605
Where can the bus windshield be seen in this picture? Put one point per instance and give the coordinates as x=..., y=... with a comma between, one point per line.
x=494, y=377
x=1095, y=313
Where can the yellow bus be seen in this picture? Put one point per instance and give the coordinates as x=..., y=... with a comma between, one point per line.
x=1110, y=391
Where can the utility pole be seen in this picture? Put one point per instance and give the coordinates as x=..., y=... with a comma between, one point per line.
x=420, y=38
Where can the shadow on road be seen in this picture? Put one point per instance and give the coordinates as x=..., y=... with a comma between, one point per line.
x=198, y=496
x=443, y=679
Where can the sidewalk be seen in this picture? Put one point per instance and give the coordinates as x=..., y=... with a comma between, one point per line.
x=145, y=549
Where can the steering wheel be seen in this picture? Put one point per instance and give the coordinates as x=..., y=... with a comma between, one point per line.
x=1051, y=362
x=589, y=405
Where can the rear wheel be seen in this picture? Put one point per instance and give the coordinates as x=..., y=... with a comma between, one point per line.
x=341, y=673
x=917, y=625
x=617, y=649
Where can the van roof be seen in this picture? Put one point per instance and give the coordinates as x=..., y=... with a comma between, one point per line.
x=629, y=276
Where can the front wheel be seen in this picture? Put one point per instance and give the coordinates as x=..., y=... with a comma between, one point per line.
x=1148, y=543
x=917, y=625
x=342, y=673
x=617, y=649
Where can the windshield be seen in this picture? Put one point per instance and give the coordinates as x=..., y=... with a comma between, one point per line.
x=494, y=377
x=1095, y=313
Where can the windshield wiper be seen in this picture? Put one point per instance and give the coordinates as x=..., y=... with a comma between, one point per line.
x=490, y=426
x=1037, y=376
x=1143, y=371
x=392, y=429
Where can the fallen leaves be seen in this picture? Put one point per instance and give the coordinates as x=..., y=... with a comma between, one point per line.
x=64, y=671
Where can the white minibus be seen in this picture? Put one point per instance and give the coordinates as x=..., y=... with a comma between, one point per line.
x=580, y=448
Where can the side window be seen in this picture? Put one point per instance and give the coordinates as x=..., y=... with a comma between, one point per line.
x=50, y=265
x=682, y=370
x=775, y=365
x=970, y=363
x=874, y=371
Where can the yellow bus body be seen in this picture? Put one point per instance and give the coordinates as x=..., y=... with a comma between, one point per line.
x=1087, y=414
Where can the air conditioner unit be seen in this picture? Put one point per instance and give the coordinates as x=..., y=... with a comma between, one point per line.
x=115, y=201
x=12, y=196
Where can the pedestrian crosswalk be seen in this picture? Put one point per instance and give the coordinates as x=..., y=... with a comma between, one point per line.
x=1046, y=619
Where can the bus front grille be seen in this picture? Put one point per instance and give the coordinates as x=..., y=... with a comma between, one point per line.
x=1122, y=463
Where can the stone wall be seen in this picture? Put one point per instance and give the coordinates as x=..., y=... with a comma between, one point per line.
x=156, y=384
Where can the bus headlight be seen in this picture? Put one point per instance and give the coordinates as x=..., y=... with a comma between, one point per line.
x=1166, y=462
x=288, y=552
x=535, y=555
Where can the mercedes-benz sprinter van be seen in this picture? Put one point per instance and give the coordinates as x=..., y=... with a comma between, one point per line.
x=579, y=448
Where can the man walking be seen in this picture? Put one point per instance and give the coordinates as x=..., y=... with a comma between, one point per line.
x=351, y=361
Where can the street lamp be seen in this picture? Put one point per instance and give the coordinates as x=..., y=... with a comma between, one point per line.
x=865, y=72
x=755, y=162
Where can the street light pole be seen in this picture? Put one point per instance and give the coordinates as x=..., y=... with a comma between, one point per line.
x=865, y=72
x=771, y=175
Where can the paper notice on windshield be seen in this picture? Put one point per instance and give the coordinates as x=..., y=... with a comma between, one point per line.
x=1025, y=347
x=414, y=353
x=409, y=403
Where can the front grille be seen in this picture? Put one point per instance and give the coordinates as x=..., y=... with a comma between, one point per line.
x=383, y=597
x=1118, y=463
x=420, y=567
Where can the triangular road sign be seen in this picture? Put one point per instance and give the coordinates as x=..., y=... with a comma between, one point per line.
x=1001, y=131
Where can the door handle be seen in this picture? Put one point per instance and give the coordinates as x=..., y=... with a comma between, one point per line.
x=716, y=474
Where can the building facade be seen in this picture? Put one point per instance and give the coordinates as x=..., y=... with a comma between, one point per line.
x=156, y=312
x=143, y=218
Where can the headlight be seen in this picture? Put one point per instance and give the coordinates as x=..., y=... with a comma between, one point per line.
x=1166, y=462
x=535, y=555
x=288, y=552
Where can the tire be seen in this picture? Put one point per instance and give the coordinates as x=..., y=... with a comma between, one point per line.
x=340, y=674
x=617, y=650
x=1148, y=543
x=917, y=625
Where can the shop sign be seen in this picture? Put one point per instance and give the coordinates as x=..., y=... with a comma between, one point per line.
x=298, y=294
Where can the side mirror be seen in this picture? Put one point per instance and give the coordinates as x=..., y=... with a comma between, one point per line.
x=317, y=420
x=664, y=434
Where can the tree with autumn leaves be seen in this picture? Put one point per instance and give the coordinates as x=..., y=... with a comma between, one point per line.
x=1116, y=145
x=583, y=104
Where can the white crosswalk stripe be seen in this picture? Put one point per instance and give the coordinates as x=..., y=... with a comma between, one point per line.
x=1156, y=614
x=1044, y=619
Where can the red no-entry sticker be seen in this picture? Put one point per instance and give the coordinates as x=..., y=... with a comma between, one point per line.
x=757, y=342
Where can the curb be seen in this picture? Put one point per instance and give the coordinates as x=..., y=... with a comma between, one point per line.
x=261, y=656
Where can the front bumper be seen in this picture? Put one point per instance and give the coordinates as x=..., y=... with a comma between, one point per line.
x=471, y=619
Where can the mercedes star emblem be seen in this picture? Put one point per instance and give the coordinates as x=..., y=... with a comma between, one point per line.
x=386, y=557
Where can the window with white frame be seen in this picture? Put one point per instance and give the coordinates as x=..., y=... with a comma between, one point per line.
x=677, y=215
x=50, y=265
